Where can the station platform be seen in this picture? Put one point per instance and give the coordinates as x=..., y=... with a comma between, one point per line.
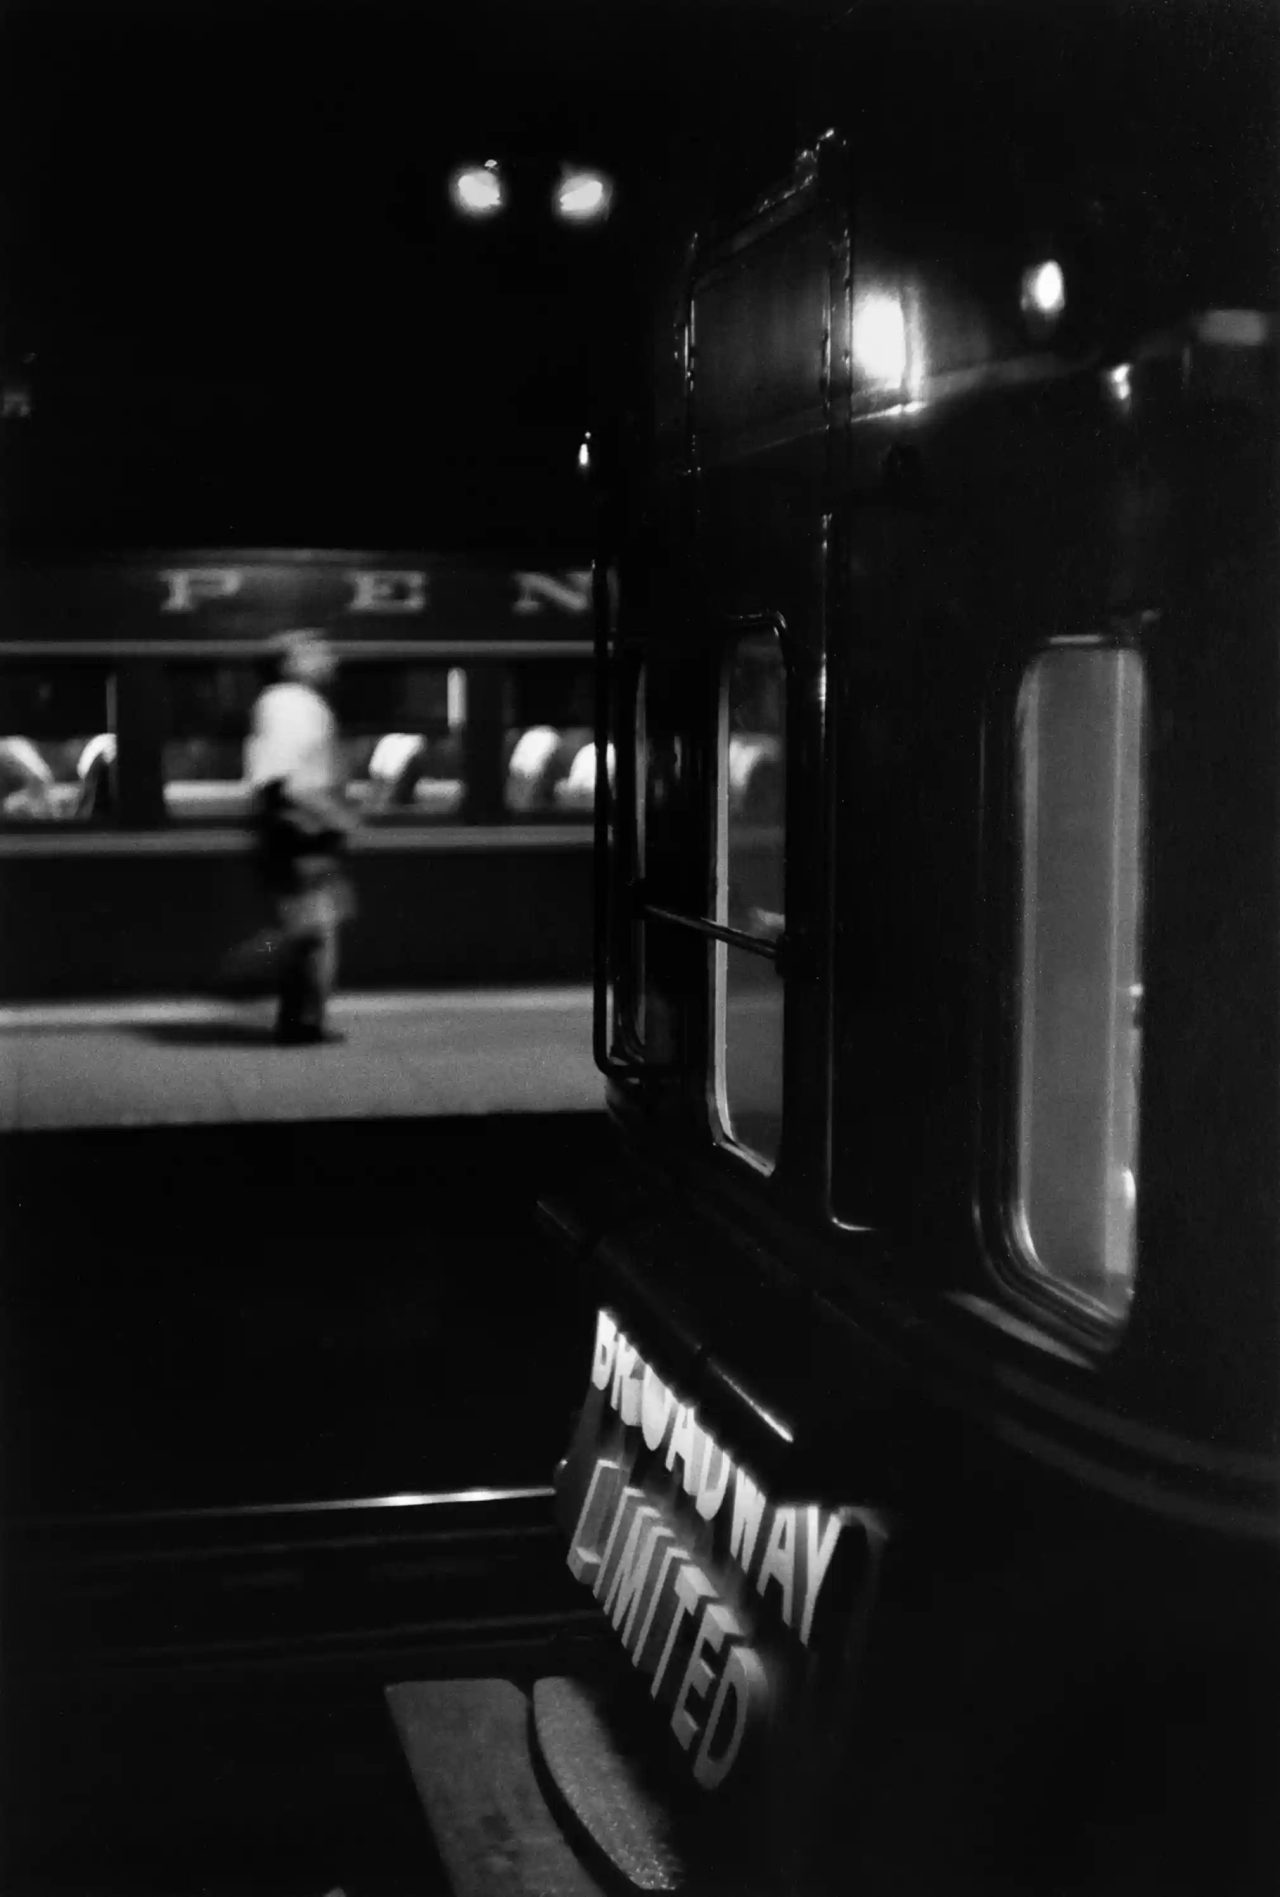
x=198, y=1062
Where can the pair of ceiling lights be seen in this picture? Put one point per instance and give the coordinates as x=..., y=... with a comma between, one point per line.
x=580, y=197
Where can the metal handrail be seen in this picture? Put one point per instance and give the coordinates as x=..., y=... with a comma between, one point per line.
x=771, y=947
x=603, y=971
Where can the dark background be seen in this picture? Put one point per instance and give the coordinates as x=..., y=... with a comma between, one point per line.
x=242, y=305
x=243, y=310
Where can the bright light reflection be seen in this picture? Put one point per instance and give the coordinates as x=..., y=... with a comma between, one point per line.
x=584, y=454
x=880, y=339
x=1120, y=383
x=477, y=190
x=582, y=195
x=1044, y=290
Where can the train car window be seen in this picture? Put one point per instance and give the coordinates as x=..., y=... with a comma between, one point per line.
x=57, y=743
x=750, y=837
x=1080, y=733
x=650, y=843
x=547, y=738
x=641, y=784
x=207, y=707
x=403, y=732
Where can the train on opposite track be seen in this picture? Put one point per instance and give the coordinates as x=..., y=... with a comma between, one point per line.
x=465, y=702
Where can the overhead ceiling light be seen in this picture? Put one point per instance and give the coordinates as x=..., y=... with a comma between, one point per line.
x=477, y=190
x=583, y=197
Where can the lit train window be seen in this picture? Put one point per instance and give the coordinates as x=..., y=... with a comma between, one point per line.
x=207, y=708
x=57, y=743
x=400, y=726
x=651, y=838
x=750, y=835
x=403, y=728
x=1080, y=728
x=641, y=784
x=547, y=719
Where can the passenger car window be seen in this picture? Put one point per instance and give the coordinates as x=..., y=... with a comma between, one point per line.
x=1080, y=788
x=547, y=720
x=57, y=742
x=399, y=725
x=207, y=716
x=750, y=861
x=402, y=726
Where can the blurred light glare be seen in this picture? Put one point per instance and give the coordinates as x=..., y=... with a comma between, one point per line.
x=1120, y=384
x=1044, y=291
x=477, y=190
x=582, y=196
x=584, y=454
x=880, y=339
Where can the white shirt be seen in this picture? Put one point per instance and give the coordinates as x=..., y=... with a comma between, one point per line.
x=292, y=737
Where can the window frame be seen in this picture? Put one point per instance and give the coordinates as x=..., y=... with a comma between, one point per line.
x=1026, y=1284
x=722, y=936
x=74, y=821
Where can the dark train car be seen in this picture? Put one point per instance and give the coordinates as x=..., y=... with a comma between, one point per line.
x=927, y=1473
x=465, y=703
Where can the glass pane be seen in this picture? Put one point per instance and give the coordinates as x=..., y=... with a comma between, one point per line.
x=751, y=816
x=640, y=818
x=550, y=759
x=208, y=707
x=755, y=800
x=57, y=743
x=1080, y=737
x=548, y=738
x=403, y=728
x=751, y=1067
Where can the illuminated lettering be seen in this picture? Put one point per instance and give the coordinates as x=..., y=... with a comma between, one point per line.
x=820, y=1549
x=661, y=1538
x=632, y=1568
x=715, y=1627
x=748, y=1510
x=743, y=1684
x=695, y=1455
x=584, y=1548
x=656, y=1403
x=630, y=1500
x=712, y=1489
x=388, y=591
x=652, y=1630
x=684, y=1440
x=779, y=1561
x=606, y=1344
x=625, y=1395
x=692, y=1587
x=536, y=591
x=193, y=586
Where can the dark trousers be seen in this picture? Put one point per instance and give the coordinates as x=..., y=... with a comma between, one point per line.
x=309, y=911
x=305, y=984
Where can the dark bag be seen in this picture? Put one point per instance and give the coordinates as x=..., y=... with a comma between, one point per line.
x=289, y=831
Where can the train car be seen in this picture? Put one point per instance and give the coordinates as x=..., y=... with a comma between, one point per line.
x=465, y=703
x=927, y=1473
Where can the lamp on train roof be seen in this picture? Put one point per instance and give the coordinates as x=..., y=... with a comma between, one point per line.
x=880, y=339
x=1044, y=294
x=1119, y=384
x=582, y=197
x=477, y=190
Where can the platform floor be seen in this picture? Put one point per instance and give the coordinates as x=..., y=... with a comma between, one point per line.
x=197, y=1062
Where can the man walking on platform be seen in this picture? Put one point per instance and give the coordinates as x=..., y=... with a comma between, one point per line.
x=294, y=772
